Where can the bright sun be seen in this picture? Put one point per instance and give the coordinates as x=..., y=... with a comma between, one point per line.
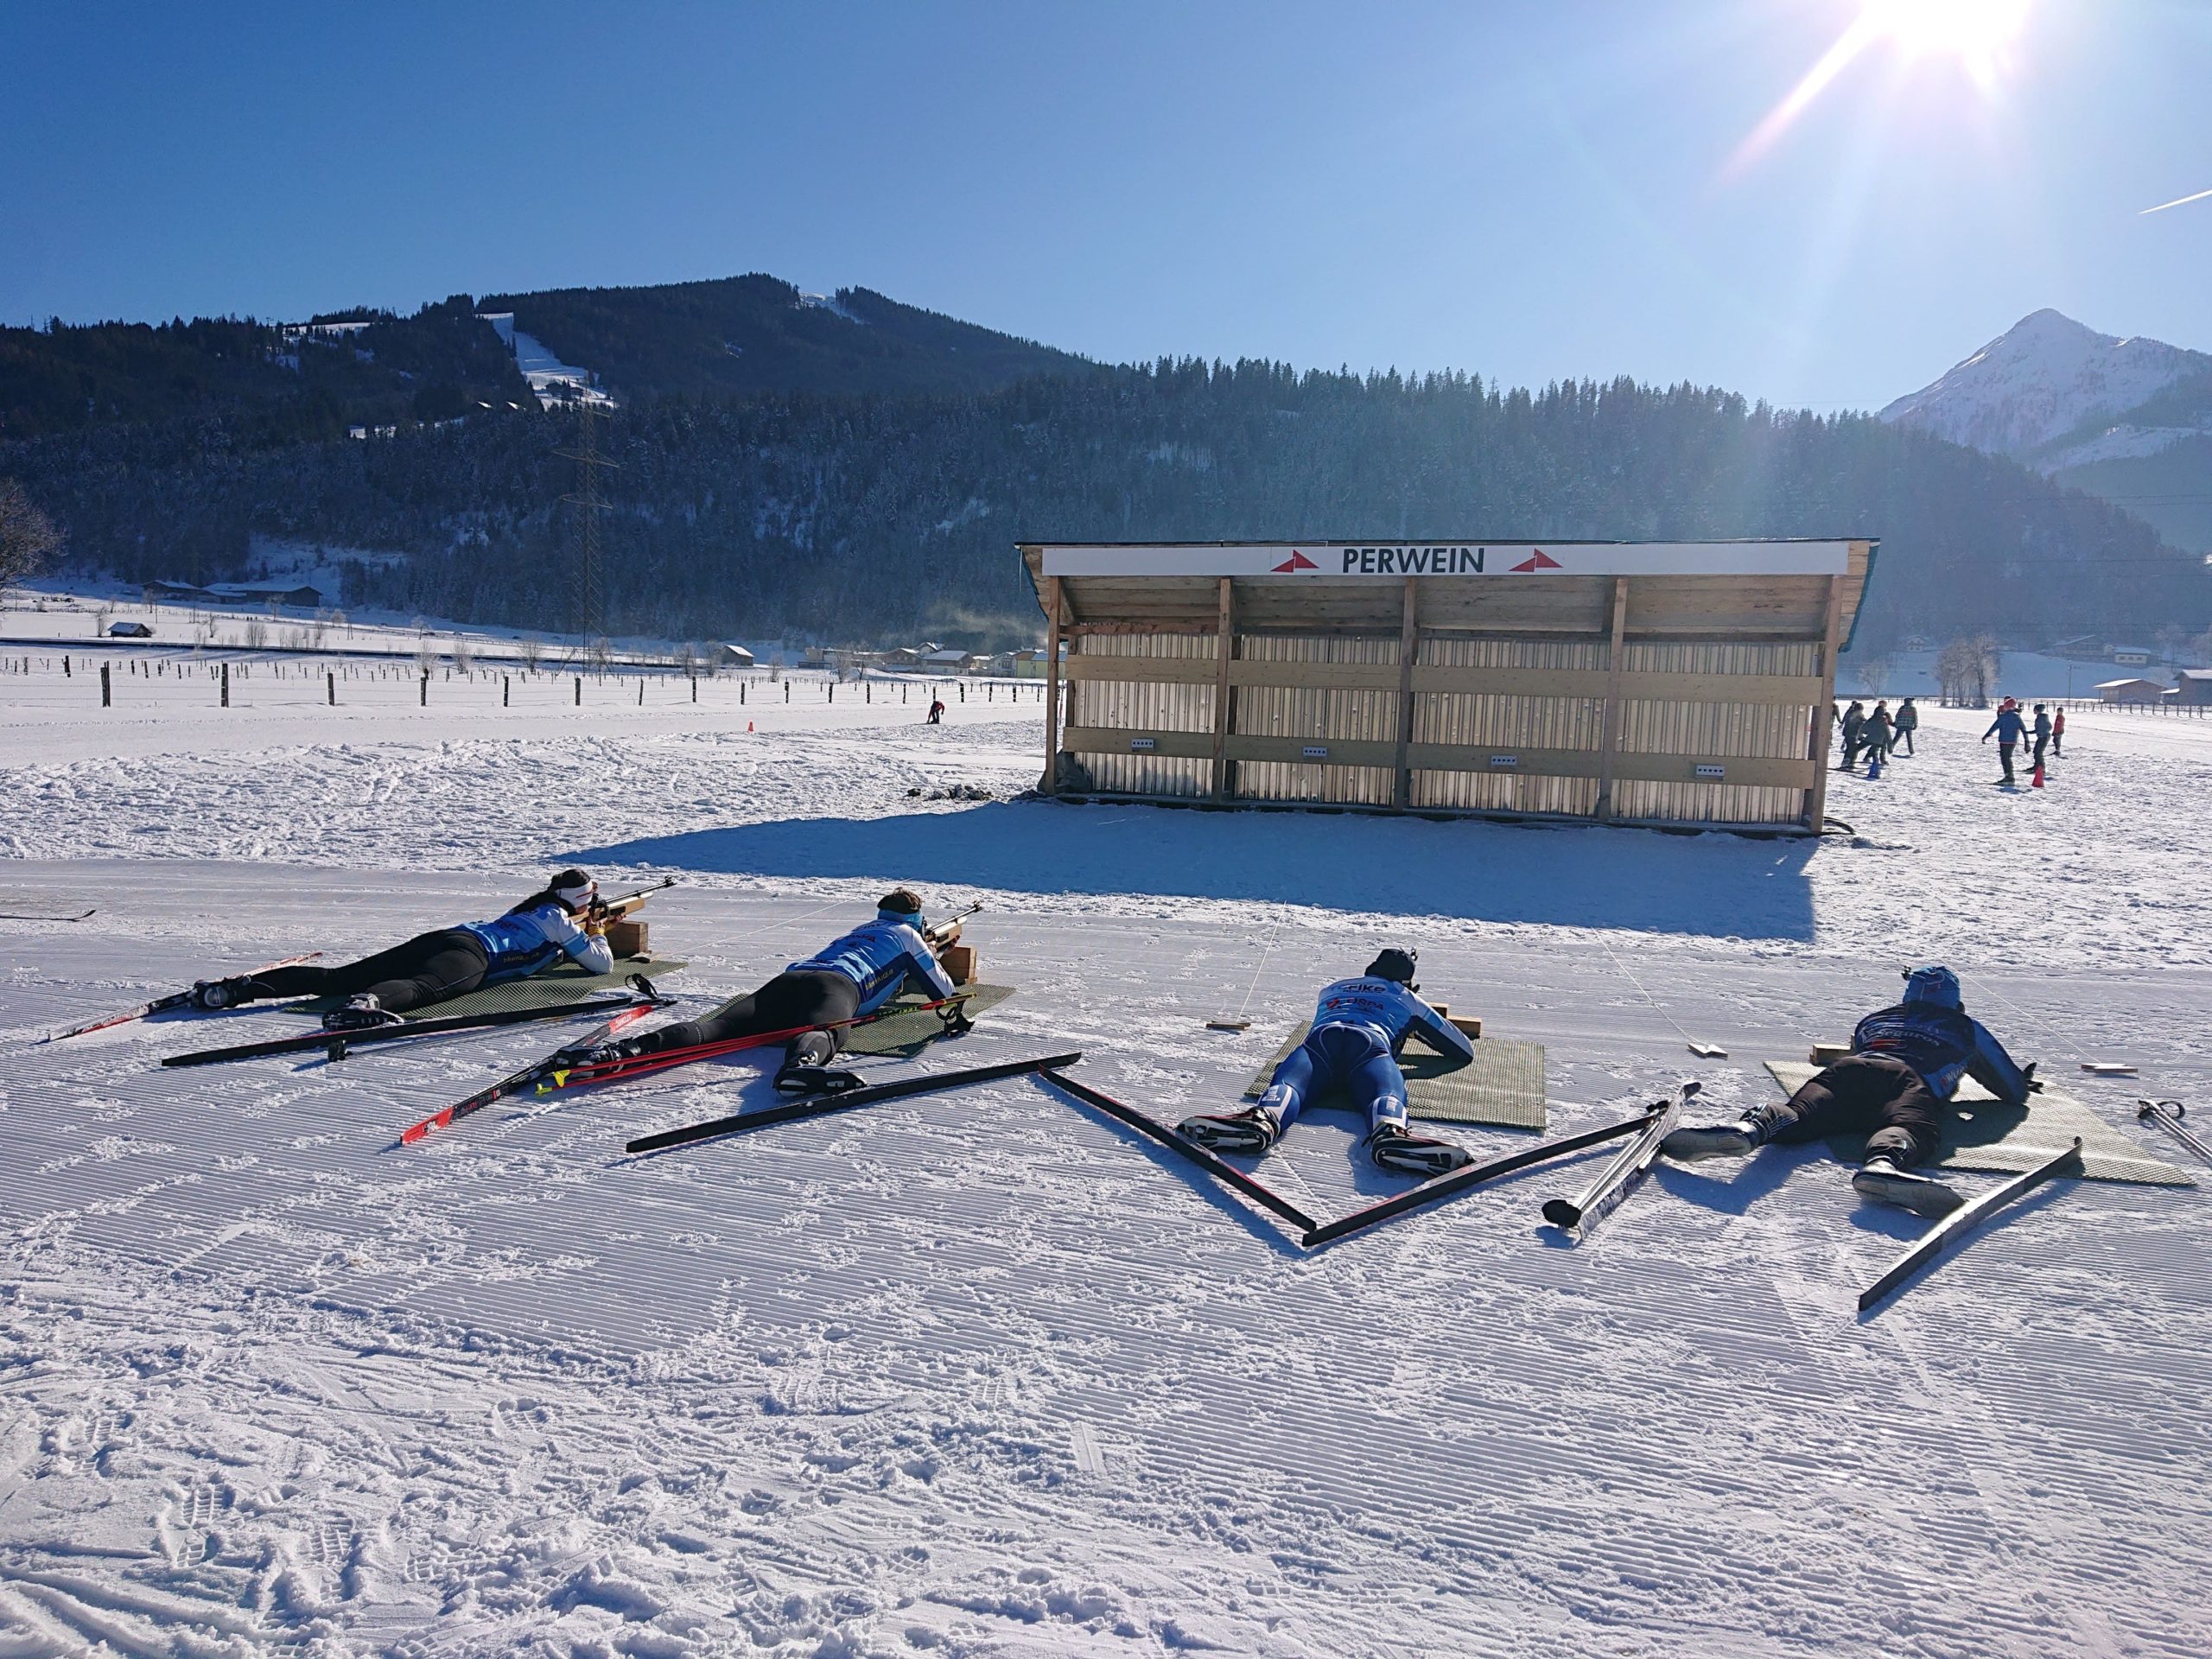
x=1964, y=29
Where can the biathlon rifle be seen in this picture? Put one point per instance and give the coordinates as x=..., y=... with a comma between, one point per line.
x=948, y=930
x=602, y=911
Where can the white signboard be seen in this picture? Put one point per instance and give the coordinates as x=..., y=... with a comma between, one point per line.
x=1356, y=559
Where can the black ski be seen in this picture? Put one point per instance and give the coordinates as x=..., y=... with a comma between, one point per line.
x=1615, y=1181
x=1965, y=1220
x=1459, y=1180
x=338, y=1043
x=552, y=1066
x=16, y=916
x=869, y=1094
x=1203, y=1157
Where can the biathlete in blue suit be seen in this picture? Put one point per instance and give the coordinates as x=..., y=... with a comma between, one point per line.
x=1359, y=1027
x=819, y=997
x=1905, y=1061
x=541, y=932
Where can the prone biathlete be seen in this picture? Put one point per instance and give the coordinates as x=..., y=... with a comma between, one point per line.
x=1905, y=1061
x=819, y=998
x=541, y=932
x=1360, y=1027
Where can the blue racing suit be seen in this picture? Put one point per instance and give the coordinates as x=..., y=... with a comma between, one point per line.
x=526, y=942
x=1943, y=1045
x=880, y=957
x=1359, y=1027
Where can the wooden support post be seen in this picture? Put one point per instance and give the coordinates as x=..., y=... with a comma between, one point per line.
x=1610, y=743
x=1408, y=649
x=1223, y=694
x=1051, y=779
x=330, y=685
x=107, y=694
x=226, y=685
x=1823, y=723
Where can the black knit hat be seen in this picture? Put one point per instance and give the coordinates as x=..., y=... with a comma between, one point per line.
x=1394, y=963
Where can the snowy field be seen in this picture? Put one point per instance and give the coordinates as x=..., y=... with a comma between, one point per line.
x=984, y=1374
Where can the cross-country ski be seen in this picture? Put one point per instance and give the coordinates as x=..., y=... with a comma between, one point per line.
x=170, y=1003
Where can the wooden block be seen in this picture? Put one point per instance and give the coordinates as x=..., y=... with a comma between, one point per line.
x=1829, y=1053
x=959, y=962
x=628, y=939
x=1467, y=1024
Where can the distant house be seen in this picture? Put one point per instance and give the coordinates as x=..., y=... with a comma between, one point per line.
x=2196, y=687
x=130, y=630
x=733, y=657
x=2132, y=656
x=174, y=593
x=903, y=657
x=950, y=661
x=239, y=592
x=2131, y=691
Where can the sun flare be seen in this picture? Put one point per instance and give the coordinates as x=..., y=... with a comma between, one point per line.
x=1963, y=29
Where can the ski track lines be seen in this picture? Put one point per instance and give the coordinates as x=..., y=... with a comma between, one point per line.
x=982, y=1373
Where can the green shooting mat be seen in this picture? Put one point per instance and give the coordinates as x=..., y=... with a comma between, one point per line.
x=1982, y=1133
x=1504, y=1083
x=913, y=1027
x=554, y=988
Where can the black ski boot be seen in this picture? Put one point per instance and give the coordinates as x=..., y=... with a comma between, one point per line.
x=1253, y=1130
x=1747, y=1135
x=1886, y=1182
x=1394, y=1147
x=214, y=993
x=361, y=1012
x=805, y=1070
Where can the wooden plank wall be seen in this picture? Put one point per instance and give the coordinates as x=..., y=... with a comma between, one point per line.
x=1551, y=720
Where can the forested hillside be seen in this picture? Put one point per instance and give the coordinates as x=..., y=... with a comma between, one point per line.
x=867, y=517
x=743, y=335
x=261, y=383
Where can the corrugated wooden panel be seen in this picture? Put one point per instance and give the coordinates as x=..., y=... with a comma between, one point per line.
x=1504, y=791
x=1136, y=705
x=1487, y=720
x=1148, y=774
x=1317, y=713
x=1707, y=803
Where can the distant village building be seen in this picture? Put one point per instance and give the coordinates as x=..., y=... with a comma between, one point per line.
x=130, y=630
x=2131, y=690
x=2132, y=656
x=950, y=661
x=231, y=593
x=2195, y=688
x=733, y=657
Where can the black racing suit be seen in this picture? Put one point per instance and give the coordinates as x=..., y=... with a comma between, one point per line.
x=428, y=967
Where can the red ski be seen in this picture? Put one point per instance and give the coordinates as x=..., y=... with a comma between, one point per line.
x=163, y=1004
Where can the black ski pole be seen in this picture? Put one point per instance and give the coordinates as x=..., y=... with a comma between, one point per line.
x=2169, y=1113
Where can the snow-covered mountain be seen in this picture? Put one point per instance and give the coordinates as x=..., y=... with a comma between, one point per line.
x=2056, y=394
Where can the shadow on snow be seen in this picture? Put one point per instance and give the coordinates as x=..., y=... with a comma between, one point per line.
x=1715, y=885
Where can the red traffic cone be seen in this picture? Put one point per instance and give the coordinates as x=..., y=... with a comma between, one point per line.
x=748, y=725
x=2036, y=782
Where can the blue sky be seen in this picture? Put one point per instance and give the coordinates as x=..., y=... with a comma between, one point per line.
x=1524, y=190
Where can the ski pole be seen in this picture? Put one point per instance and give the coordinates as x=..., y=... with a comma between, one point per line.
x=2170, y=1113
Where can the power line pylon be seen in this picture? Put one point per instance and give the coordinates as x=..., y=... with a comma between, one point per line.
x=591, y=633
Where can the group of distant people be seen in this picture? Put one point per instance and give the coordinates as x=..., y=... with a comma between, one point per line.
x=1878, y=736
x=2011, y=726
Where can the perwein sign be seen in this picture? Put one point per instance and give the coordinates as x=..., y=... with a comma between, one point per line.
x=1323, y=561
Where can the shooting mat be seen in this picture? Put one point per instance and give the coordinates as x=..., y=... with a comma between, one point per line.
x=552, y=989
x=1504, y=1084
x=1978, y=1133
x=913, y=1028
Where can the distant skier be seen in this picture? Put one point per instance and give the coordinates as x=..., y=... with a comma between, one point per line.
x=2044, y=729
x=936, y=711
x=542, y=932
x=1905, y=725
x=1359, y=1027
x=818, y=998
x=2058, y=732
x=1905, y=1062
x=1854, y=724
x=2006, y=730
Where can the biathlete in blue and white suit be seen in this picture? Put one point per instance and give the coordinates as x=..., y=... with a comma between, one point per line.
x=1360, y=1025
x=542, y=932
x=1905, y=1061
x=819, y=997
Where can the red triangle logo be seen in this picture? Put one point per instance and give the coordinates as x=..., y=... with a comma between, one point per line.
x=1538, y=560
x=1297, y=561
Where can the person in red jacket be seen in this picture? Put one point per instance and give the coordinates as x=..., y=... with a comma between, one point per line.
x=2058, y=731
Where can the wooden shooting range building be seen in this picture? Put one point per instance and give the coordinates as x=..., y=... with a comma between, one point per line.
x=1669, y=683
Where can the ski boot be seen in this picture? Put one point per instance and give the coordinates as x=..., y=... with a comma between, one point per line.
x=361, y=1012
x=1883, y=1180
x=213, y=993
x=1747, y=1135
x=805, y=1070
x=1254, y=1129
x=1393, y=1146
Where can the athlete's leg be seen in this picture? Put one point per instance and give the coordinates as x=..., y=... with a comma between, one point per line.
x=785, y=1003
x=456, y=952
